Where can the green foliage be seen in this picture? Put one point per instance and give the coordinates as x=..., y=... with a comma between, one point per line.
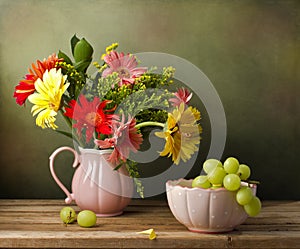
x=133, y=172
x=82, y=52
x=146, y=105
x=153, y=115
x=153, y=80
x=146, y=99
x=63, y=56
x=68, y=134
x=76, y=79
x=104, y=88
x=132, y=168
x=74, y=40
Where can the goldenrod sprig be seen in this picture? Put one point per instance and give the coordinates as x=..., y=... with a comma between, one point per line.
x=109, y=48
x=75, y=78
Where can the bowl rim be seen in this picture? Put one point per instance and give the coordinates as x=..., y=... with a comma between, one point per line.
x=173, y=184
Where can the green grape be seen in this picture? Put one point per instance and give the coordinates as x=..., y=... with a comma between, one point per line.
x=214, y=186
x=216, y=176
x=244, y=196
x=210, y=164
x=232, y=182
x=67, y=215
x=231, y=165
x=244, y=172
x=253, y=207
x=201, y=182
x=86, y=218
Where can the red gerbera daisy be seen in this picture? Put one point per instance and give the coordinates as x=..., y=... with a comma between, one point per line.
x=26, y=86
x=91, y=116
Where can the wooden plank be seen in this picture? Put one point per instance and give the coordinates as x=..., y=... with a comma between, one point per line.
x=54, y=219
x=110, y=239
x=60, y=202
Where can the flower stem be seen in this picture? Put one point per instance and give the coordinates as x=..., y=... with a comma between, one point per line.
x=149, y=123
x=69, y=123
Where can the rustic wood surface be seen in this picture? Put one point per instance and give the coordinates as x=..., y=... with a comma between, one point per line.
x=36, y=224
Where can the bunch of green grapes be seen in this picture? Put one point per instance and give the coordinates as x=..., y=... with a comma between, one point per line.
x=229, y=175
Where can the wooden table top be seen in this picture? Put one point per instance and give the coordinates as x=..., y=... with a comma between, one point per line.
x=36, y=224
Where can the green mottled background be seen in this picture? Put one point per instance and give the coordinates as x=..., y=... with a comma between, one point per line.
x=248, y=49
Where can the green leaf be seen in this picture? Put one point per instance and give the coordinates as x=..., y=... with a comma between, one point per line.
x=65, y=57
x=81, y=66
x=119, y=166
x=74, y=41
x=68, y=134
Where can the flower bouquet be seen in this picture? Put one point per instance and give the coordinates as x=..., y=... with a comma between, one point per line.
x=110, y=108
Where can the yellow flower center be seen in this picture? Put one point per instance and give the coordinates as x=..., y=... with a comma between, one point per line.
x=123, y=73
x=52, y=106
x=186, y=134
x=93, y=118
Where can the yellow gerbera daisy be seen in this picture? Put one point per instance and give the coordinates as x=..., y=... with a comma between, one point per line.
x=182, y=133
x=47, y=97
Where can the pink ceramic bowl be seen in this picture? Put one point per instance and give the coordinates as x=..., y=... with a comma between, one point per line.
x=204, y=210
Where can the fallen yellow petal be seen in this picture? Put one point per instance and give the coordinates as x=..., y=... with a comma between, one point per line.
x=150, y=232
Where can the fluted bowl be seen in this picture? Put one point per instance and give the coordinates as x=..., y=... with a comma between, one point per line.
x=204, y=210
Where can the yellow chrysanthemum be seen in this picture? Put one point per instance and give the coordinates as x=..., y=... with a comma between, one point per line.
x=47, y=97
x=182, y=133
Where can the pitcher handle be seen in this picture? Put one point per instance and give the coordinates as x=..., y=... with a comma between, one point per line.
x=76, y=162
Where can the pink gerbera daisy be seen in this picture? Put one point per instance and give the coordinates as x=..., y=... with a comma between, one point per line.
x=125, y=139
x=124, y=65
x=183, y=95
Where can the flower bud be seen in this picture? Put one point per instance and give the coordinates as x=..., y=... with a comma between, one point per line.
x=83, y=51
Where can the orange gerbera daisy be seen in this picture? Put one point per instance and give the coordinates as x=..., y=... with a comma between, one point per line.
x=26, y=87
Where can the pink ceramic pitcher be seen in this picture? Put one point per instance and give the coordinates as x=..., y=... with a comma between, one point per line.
x=96, y=185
